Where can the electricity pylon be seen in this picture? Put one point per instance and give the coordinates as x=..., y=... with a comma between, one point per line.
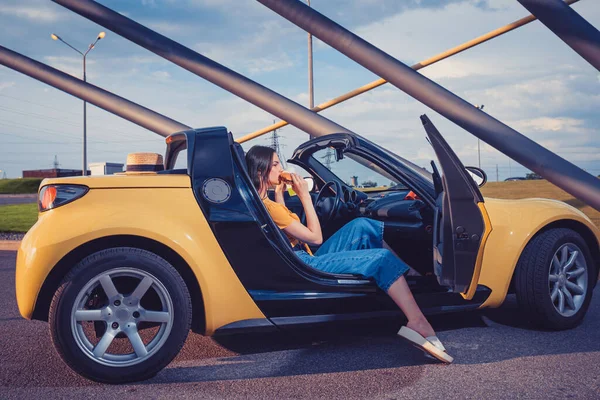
x=275, y=145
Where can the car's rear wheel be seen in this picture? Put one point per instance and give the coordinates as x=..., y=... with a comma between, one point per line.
x=120, y=315
x=554, y=279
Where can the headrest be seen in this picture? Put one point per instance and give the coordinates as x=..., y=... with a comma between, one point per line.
x=144, y=162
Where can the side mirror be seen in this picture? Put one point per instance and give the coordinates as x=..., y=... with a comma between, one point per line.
x=478, y=175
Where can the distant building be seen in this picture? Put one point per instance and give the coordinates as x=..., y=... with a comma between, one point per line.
x=51, y=173
x=105, y=168
x=354, y=181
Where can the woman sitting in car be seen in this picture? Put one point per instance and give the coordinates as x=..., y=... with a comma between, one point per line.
x=357, y=248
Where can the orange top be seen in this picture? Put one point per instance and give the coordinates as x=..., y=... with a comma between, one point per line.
x=283, y=217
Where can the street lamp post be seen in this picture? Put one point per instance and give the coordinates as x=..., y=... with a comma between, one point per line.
x=91, y=46
x=479, y=144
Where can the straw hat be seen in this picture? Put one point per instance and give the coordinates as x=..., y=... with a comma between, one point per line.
x=144, y=162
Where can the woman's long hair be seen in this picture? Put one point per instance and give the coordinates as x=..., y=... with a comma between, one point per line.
x=259, y=160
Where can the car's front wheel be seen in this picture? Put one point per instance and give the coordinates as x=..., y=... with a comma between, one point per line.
x=554, y=279
x=120, y=315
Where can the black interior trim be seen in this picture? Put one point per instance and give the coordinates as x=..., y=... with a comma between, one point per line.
x=181, y=171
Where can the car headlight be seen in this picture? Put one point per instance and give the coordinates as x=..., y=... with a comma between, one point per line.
x=52, y=196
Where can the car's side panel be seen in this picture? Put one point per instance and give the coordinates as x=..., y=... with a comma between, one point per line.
x=169, y=216
x=468, y=295
x=514, y=223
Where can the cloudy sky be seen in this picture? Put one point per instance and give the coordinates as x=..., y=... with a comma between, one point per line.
x=528, y=78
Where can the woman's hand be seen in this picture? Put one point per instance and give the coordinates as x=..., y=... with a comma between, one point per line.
x=279, y=189
x=311, y=233
x=300, y=186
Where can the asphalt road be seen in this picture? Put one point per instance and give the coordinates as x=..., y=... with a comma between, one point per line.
x=6, y=199
x=497, y=355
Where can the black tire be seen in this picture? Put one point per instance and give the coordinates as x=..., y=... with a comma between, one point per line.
x=532, y=279
x=144, y=262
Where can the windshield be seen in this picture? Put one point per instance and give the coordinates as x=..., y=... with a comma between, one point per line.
x=357, y=171
x=422, y=172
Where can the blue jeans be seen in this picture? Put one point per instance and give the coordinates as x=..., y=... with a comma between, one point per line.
x=357, y=249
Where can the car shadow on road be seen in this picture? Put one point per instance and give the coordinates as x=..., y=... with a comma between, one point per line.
x=509, y=315
x=343, y=347
x=478, y=337
x=291, y=354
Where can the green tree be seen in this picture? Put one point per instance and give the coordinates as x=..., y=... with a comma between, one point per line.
x=369, y=184
x=532, y=176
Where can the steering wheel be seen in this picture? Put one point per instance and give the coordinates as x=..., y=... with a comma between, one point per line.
x=325, y=210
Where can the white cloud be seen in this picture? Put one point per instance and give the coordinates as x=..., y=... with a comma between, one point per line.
x=64, y=60
x=260, y=52
x=552, y=124
x=232, y=7
x=6, y=85
x=581, y=154
x=561, y=134
x=269, y=64
x=163, y=75
x=550, y=93
x=71, y=65
x=457, y=68
x=169, y=27
x=33, y=13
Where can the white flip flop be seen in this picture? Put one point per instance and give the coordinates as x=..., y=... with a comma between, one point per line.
x=430, y=345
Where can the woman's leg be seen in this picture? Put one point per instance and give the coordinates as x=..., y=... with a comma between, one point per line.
x=386, y=269
x=411, y=271
x=402, y=296
x=358, y=234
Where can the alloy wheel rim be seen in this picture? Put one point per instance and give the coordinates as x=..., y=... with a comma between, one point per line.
x=120, y=315
x=568, y=279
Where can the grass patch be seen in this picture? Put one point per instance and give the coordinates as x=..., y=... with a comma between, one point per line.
x=19, y=186
x=537, y=188
x=18, y=217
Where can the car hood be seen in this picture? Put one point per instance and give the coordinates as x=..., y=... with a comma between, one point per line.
x=137, y=180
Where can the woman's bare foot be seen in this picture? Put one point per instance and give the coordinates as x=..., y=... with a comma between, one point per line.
x=421, y=326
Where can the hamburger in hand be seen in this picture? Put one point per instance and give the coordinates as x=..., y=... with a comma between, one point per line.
x=286, y=177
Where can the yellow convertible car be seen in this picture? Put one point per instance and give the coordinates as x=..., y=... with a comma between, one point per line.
x=122, y=266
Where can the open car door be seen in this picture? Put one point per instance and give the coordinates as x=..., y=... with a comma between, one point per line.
x=461, y=224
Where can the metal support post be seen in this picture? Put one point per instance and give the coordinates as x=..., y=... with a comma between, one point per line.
x=557, y=170
x=571, y=27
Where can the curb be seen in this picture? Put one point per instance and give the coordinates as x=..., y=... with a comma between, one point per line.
x=10, y=245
